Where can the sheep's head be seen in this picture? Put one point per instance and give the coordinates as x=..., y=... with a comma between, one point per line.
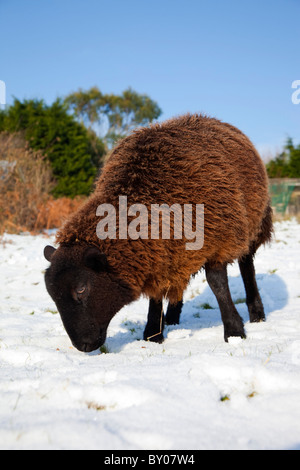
x=86, y=292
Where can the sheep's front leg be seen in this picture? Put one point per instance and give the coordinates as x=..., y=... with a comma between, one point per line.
x=173, y=313
x=155, y=324
x=218, y=282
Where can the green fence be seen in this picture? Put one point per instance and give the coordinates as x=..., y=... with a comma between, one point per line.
x=285, y=195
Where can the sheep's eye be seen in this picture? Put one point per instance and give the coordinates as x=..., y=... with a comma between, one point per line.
x=78, y=293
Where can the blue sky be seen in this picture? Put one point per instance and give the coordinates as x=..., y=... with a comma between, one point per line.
x=235, y=60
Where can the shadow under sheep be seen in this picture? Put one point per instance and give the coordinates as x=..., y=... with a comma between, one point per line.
x=203, y=311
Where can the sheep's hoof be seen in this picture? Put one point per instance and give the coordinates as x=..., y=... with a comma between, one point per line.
x=154, y=338
x=172, y=320
x=234, y=330
x=256, y=313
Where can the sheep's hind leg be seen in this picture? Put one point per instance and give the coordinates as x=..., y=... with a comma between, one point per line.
x=218, y=282
x=155, y=324
x=253, y=300
x=173, y=313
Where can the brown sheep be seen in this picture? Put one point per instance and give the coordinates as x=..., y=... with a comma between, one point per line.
x=191, y=160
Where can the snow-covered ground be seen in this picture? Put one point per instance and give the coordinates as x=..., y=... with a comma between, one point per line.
x=194, y=391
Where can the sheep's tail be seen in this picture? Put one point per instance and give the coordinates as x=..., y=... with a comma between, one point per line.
x=266, y=231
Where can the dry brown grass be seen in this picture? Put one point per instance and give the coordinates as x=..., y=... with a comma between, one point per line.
x=54, y=212
x=25, y=184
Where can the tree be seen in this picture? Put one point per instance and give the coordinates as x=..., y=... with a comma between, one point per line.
x=287, y=163
x=75, y=153
x=115, y=115
x=294, y=159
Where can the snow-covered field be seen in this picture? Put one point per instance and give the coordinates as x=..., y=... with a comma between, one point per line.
x=194, y=391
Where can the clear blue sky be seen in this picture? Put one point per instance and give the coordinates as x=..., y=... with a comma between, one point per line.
x=235, y=60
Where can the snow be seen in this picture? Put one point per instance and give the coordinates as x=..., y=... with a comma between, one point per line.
x=194, y=391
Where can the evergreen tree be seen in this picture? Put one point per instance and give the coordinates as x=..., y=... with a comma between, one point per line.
x=287, y=163
x=74, y=152
x=294, y=159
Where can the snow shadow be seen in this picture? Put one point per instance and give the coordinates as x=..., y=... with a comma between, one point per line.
x=202, y=311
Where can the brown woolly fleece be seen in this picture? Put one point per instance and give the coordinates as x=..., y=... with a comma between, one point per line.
x=192, y=159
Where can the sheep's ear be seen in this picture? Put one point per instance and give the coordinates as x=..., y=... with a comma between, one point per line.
x=48, y=252
x=94, y=259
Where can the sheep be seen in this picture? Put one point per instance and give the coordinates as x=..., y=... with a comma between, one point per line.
x=188, y=160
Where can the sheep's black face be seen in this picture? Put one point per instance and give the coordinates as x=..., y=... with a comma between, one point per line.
x=86, y=293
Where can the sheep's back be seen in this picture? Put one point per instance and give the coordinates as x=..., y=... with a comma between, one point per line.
x=195, y=160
